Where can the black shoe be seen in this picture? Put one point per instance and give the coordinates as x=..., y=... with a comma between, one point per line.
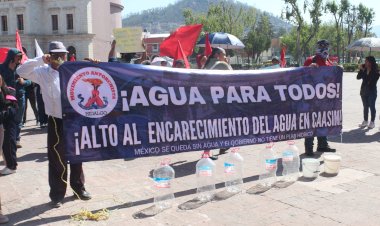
x=309, y=151
x=309, y=154
x=83, y=195
x=213, y=157
x=223, y=151
x=56, y=204
x=326, y=149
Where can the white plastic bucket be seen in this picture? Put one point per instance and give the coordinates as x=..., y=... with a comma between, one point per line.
x=310, y=167
x=332, y=163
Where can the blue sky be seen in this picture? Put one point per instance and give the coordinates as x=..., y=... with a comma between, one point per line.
x=272, y=6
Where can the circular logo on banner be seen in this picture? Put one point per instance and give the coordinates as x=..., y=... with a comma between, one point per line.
x=92, y=92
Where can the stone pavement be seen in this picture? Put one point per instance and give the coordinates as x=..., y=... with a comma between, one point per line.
x=124, y=187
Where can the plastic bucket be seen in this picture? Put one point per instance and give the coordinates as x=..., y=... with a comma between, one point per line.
x=310, y=167
x=332, y=163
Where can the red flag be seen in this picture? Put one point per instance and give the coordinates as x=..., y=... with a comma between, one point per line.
x=180, y=55
x=3, y=54
x=72, y=58
x=208, y=49
x=19, y=47
x=282, y=55
x=186, y=35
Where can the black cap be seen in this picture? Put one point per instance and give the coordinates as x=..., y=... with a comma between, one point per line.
x=323, y=43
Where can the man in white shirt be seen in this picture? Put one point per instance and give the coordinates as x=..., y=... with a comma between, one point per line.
x=44, y=71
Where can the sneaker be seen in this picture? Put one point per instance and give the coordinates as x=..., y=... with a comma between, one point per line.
x=7, y=171
x=363, y=124
x=18, y=144
x=371, y=125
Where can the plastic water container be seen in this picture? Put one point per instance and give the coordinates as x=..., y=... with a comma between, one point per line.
x=233, y=171
x=162, y=177
x=332, y=163
x=310, y=167
x=205, y=171
x=268, y=166
x=290, y=162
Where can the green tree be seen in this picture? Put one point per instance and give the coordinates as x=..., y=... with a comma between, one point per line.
x=311, y=30
x=305, y=32
x=294, y=15
x=338, y=11
x=351, y=22
x=366, y=17
x=224, y=17
x=259, y=37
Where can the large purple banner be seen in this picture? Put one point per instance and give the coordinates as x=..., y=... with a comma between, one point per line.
x=113, y=110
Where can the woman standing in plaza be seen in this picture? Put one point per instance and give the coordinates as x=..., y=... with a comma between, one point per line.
x=368, y=91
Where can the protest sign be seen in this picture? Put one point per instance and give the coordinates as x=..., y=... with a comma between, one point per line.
x=122, y=110
x=128, y=39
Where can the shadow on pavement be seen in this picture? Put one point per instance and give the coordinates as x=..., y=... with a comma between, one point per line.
x=22, y=217
x=356, y=136
x=33, y=131
x=36, y=157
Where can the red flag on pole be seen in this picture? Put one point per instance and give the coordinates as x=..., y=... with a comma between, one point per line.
x=180, y=55
x=19, y=47
x=282, y=57
x=208, y=49
x=186, y=35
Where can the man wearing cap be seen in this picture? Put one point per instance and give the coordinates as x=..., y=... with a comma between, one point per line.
x=44, y=71
x=321, y=58
x=8, y=71
x=217, y=60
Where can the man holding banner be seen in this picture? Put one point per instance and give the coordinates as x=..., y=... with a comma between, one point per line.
x=320, y=59
x=44, y=71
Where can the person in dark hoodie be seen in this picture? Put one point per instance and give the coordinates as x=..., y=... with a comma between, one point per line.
x=8, y=71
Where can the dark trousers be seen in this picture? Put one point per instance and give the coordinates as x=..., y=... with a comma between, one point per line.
x=20, y=115
x=10, y=135
x=369, y=102
x=31, y=96
x=309, y=143
x=58, y=166
x=42, y=117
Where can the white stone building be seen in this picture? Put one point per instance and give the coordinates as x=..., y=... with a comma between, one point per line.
x=84, y=26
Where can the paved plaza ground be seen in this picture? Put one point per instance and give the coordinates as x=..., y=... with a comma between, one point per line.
x=124, y=187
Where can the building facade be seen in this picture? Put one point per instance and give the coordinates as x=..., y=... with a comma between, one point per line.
x=84, y=26
x=152, y=44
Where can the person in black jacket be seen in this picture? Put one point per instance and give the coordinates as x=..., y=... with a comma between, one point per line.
x=369, y=73
x=8, y=72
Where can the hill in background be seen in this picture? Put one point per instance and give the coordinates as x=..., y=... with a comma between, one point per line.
x=164, y=20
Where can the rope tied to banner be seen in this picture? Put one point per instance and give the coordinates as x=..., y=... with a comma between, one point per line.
x=83, y=214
